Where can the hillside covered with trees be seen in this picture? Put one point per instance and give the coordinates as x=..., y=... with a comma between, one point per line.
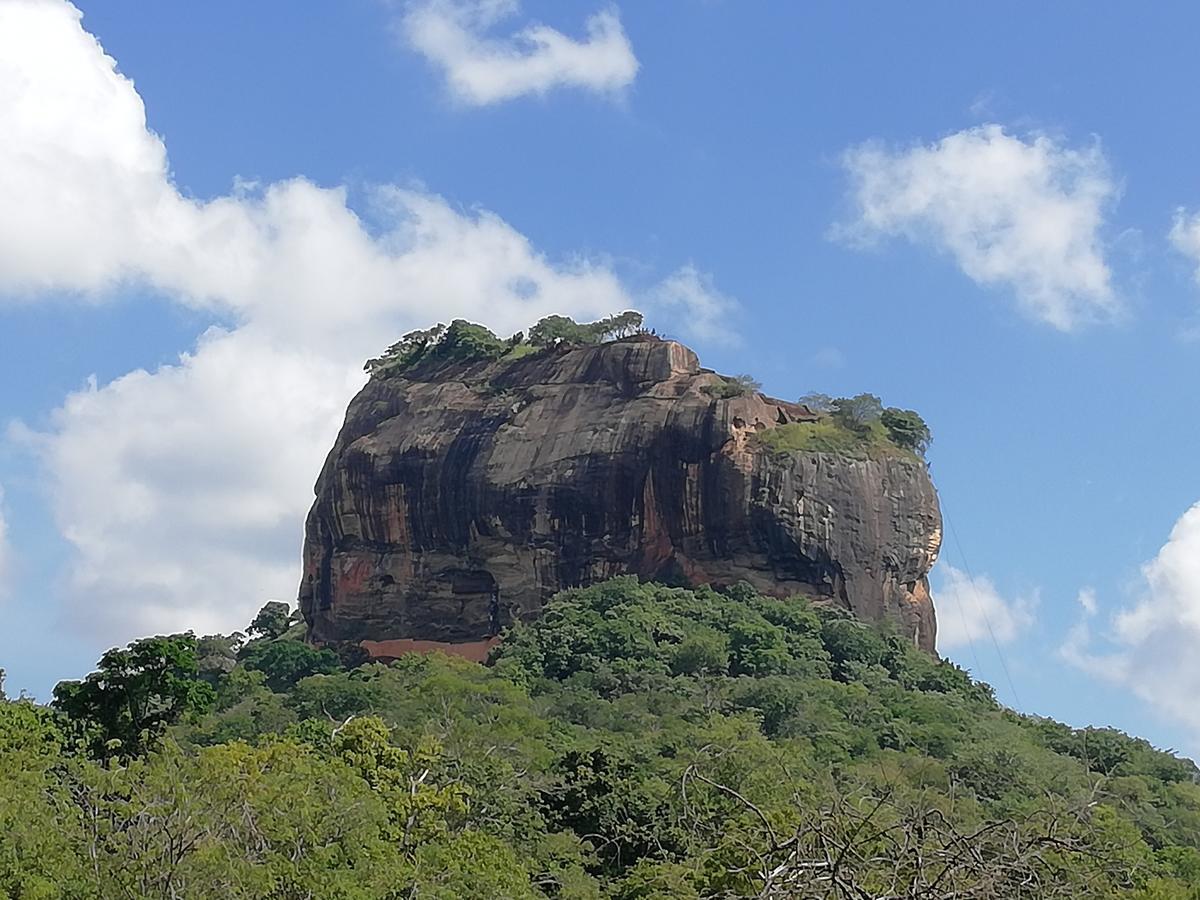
x=637, y=741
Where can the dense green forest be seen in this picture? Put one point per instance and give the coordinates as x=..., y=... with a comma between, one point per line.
x=637, y=741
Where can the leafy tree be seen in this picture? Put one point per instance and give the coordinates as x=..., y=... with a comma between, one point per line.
x=701, y=653
x=278, y=820
x=851, y=642
x=405, y=352
x=636, y=741
x=620, y=325
x=136, y=693
x=858, y=413
x=758, y=649
x=818, y=403
x=423, y=803
x=272, y=620
x=553, y=330
x=599, y=793
x=465, y=340
x=284, y=662
x=37, y=817
x=906, y=429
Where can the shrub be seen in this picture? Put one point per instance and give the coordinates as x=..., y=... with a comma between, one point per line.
x=465, y=341
x=906, y=429
x=733, y=386
x=554, y=330
x=286, y=662
x=858, y=413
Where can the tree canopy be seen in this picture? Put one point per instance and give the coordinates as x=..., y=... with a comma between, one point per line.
x=465, y=341
x=636, y=741
x=136, y=693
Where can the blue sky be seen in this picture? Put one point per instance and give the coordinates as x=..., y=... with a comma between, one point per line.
x=983, y=214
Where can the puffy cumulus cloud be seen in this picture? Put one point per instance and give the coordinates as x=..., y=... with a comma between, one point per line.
x=1026, y=214
x=972, y=609
x=480, y=69
x=690, y=298
x=1149, y=645
x=86, y=197
x=183, y=490
x=88, y=203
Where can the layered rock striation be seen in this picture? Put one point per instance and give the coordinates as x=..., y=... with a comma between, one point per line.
x=460, y=496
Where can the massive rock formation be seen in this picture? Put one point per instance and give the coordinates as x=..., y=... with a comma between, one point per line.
x=460, y=496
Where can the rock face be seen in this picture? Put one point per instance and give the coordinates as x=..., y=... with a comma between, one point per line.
x=459, y=497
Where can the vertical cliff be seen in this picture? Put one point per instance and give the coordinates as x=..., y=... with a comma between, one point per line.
x=459, y=496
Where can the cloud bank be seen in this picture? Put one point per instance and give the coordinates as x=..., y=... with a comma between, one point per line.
x=1149, y=646
x=972, y=610
x=182, y=491
x=1023, y=214
x=481, y=69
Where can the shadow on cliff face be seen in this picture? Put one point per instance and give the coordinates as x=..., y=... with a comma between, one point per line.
x=458, y=498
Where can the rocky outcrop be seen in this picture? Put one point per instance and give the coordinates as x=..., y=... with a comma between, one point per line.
x=459, y=497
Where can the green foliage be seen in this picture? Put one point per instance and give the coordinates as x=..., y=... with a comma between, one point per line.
x=460, y=341
x=272, y=620
x=463, y=341
x=405, y=352
x=857, y=413
x=906, y=429
x=283, y=663
x=856, y=426
x=732, y=386
x=423, y=802
x=636, y=741
x=823, y=436
x=818, y=403
x=136, y=693
x=554, y=330
x=467, y=341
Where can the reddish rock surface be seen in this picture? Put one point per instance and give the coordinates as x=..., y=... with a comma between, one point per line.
x=459, y=497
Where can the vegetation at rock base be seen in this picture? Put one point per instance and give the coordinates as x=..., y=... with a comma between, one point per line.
x=637, y=741
x=464, y=341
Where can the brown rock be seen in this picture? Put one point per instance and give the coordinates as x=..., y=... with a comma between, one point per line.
x=459, y=497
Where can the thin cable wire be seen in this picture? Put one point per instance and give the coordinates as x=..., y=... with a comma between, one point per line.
x=986, y=619
x=962, y=616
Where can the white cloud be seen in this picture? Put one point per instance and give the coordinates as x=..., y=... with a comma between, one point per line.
x=689, y=297
x=479, y=69
x=183, y=490
x=973, y=610
x=1149, y=646
x=1026, y=214
x=1185, y=236
x=1087, y=601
